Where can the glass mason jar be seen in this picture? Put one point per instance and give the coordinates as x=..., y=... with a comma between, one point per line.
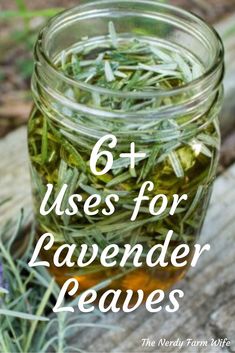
x=179, y=134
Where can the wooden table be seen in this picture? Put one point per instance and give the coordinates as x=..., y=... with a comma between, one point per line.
x=208, y=307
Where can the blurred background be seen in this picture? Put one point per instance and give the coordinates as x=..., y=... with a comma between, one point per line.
x=20, y=21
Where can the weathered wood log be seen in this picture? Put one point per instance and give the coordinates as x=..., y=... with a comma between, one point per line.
x=14, y=174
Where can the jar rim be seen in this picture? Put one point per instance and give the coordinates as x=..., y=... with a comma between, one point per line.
x=193, y=84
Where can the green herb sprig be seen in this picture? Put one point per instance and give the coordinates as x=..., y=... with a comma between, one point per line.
x=26, y=299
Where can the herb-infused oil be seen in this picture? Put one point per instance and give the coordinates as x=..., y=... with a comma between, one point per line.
x=131, y=71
